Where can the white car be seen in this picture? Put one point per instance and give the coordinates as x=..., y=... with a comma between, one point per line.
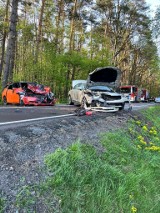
x=157, y=100
x=97, y=90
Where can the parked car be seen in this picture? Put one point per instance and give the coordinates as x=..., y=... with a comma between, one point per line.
x=27, y=93
x=98, y=89
x=157, y=99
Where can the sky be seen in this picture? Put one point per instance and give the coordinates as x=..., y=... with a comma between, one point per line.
x=153, y=4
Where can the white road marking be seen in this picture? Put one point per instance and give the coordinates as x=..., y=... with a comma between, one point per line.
x=52, y=117
x=35, y=107
x=36, y=119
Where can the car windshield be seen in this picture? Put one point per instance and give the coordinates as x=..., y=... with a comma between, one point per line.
x=101, y=88
x=125, y=90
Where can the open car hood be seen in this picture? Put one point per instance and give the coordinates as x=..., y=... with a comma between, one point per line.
x=38, y=88
x=107, y=76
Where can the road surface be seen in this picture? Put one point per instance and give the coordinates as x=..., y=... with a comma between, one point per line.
x=15, y=114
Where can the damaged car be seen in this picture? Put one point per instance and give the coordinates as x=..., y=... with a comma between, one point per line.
x=98, y=91
x=27, y=93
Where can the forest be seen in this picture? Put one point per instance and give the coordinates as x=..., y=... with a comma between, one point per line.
x=56, y=41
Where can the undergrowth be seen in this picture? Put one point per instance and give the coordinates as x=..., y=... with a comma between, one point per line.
x=124, y=178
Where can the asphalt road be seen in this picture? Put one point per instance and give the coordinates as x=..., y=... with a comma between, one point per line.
x=14, y=114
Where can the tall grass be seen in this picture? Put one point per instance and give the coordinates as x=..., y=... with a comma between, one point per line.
x=124, y=178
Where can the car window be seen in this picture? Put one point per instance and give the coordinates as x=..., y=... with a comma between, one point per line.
x=79, y=86
x=134, y=89
x=10, y=86
x=16, y=85
x=101, y=88
x=125, y=90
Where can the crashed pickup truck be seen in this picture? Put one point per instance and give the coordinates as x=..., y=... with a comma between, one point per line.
x=97, y=92
x=27, y=93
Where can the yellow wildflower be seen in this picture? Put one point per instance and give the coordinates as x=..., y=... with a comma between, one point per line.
x=143, y=142
x=138, y=122
x=153, y=148
x=154, y=132
x=140, y=137
x=133, y=209
x=153, y=128
x=145, y=128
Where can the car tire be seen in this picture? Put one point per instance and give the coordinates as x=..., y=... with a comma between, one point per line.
x=84, y=103
x=5, y=101
x=122, y=107
x=21, y=103
x=70, y=102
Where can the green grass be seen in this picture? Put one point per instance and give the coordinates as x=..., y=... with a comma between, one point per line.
x=2, y=204
x=124, y=178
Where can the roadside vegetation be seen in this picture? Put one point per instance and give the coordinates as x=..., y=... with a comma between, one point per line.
x=121, y=177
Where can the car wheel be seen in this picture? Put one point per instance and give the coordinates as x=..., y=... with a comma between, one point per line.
x=84, y=103
x=122, y=107
x=70, y=102
x=21, y=103
x=5, y=101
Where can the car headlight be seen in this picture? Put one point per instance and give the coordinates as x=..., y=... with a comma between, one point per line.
x=96, y=96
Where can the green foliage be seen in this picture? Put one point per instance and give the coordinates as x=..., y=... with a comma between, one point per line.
x=152, y=114
x=56, y=47
x=57, y=71
x=122, y=178
x=156, y=27
x=26, y=198
x=2, y=204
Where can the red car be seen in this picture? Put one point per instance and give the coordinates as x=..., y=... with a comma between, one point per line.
x=26, y=93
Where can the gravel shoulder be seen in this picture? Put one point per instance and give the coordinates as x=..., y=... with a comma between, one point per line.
x=23, y=148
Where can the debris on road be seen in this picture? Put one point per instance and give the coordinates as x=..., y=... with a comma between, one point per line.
x=89, y=110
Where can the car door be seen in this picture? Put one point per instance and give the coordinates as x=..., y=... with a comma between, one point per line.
x=12, y=96
x=74, y=92
x=79, y=90
x=9, y=94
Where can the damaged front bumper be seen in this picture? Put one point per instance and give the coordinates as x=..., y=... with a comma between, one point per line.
x=103, y=109
x=37, y=100
x=99, y=104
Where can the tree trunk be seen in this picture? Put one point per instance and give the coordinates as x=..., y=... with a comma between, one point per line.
x=59, y=20
x=10, y=53
x=72, y=27
x=39, y=34
x=4, y=38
